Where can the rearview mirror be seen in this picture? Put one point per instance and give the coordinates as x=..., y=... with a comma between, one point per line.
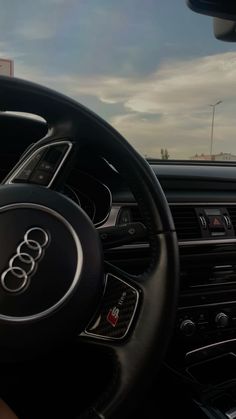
x=225, y=30
x=225, y=9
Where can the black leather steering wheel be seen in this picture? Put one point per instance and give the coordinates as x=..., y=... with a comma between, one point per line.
x=54, y=283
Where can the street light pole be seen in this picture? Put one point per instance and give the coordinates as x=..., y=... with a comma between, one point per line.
x=212, y=124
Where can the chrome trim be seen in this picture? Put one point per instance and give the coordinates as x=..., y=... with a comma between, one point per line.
x=231, y=414
x=222, y=204
x=94, y=335
x=103, y=222
x=125, y=204
x=227, y=221
x=203, y=221
x=74, y=189
x=22, y=275
x=78, y=268
x=181, y=244
x=41, y=230
x=111, y=222
x=206, y=242
x=212, y=285
x=216, y=267
x=25, y=258
x=206, y=305
x=22, y=165
x=212, y=345
x=97, y=413
x=130, y=247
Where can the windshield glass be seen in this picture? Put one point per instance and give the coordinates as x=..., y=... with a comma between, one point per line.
x=152, y=69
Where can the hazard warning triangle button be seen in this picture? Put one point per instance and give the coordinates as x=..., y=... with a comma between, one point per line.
x=216, y=223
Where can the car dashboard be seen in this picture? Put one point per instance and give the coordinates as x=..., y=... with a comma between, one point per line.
x=202, y=200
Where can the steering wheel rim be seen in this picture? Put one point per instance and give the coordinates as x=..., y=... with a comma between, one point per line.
x=146, y=343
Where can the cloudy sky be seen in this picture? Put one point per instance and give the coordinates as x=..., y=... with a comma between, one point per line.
x=149, y=67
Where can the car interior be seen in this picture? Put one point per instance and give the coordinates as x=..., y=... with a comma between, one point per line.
x=118, y=272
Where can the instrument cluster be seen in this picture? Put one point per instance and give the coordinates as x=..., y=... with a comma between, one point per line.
x=90, y=194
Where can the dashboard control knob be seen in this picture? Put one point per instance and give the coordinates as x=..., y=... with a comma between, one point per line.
x=221, y=320
x=187, y=327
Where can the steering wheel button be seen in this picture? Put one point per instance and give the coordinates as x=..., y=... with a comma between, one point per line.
x=37, y=157
x=47, y=167
x=24, y=175
x=41, y=177
x=55, y=154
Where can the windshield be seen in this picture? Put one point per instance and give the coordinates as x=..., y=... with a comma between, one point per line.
x=152, y=69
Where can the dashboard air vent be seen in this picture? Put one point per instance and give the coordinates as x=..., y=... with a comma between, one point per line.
x=185, y=219
x=186, y=222
x=232, y=214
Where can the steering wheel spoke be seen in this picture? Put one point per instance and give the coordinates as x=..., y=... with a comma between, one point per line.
x=112, y=329
x=118, y=308
x=44, y=164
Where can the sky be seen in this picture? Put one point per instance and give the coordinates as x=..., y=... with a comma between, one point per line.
x=150, y=68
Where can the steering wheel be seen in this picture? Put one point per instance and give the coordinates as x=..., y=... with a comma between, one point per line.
x=54, y=282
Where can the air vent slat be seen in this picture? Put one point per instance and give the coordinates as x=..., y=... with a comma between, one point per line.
x=186, y=222
x=185, y=219
x=232, y=214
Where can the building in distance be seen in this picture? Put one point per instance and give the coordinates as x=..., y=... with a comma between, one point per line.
x=214, y=157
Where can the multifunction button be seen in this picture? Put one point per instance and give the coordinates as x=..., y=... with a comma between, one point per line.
x=44, y=164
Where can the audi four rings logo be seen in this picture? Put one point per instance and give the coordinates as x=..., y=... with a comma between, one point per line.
x=25, y=261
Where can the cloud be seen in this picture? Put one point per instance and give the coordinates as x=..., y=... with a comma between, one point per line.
x=183, y=137
x=36, y=22
x=169, y=108
x=177, y=86
x=36, y=30
x=167, y=131
x=8, y=51
x=187, y=85
x=183, y=134
x=56, y=1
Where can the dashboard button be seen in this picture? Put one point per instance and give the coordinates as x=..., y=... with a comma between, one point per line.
x=37, y=157
x=221, y=320
x=41, y=177
x=24, y=175
x=124, y=216
x=216, y=223
x=187, y=327
x=27, y=170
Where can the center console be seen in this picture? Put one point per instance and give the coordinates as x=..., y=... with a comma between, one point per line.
x=207, y=304
x=202, y=353
x=205, y=330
